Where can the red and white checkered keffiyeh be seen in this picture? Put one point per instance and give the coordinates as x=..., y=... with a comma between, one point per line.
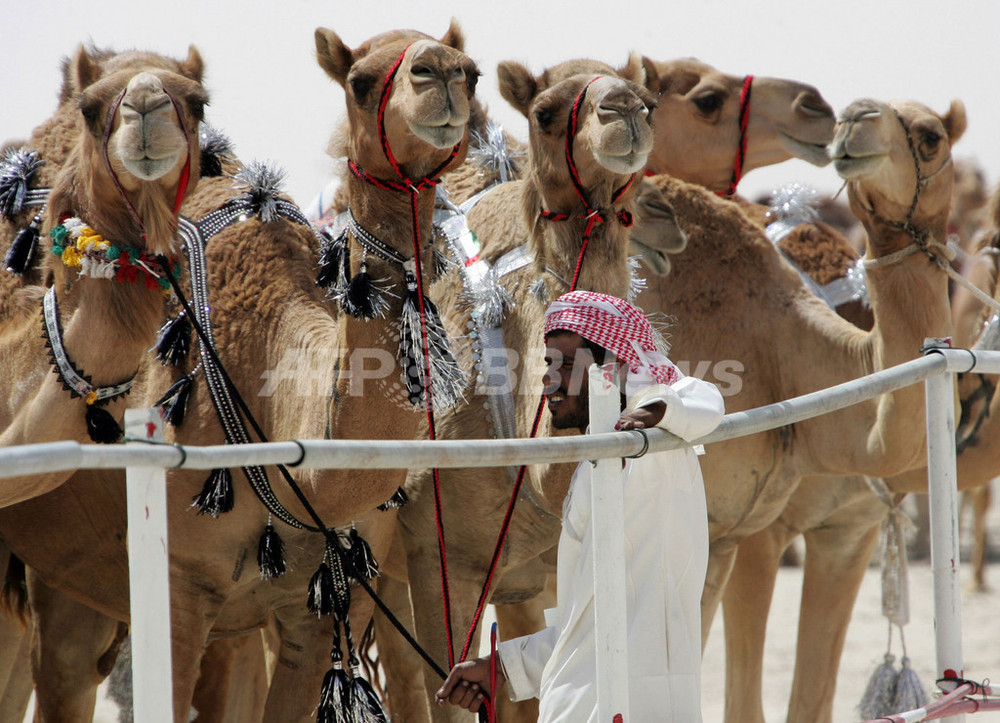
x=615, y=325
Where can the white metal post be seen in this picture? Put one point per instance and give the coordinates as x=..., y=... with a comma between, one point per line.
x=149, y=577
x=608, y=523
x=943, y=502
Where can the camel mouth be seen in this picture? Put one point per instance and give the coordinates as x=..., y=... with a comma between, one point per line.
x=852, y=167
x=655, y=260
x=814, y=153
x=149, y=169
x=440, y=136
x=631, y=162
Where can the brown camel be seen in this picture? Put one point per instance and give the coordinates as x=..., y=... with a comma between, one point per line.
x=130, y=164
x=425, y=117
x=779, y=105
x=840, y=516
x=544, y=211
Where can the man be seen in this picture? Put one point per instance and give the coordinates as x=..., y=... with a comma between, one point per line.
x=666, y=529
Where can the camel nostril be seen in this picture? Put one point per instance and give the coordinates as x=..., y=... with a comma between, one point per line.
x=811, y=104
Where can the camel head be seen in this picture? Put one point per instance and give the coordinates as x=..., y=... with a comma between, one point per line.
x=428, y=109
x=699, y=111
x=137, y=151
x=895, y=157
x=613, y=128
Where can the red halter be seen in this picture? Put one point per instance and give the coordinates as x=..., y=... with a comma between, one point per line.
x=741, y=152
x=405, y=184
x=594, y=216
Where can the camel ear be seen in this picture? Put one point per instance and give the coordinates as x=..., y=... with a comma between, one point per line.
x=955, y=120
x=634, y=70
x=517, y=85
x=332, y=55
x=652, y=75
x=454, y=37
x=79, y=72
x=194, y=66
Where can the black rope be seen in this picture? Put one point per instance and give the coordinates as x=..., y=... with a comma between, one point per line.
x=331, y=535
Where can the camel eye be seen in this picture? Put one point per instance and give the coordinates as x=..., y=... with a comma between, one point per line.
x=473, y=80
x=361, y=85
x=708, y=103
x=423, y=71
x=932, y=138
x=89, y=109
x=544, y=118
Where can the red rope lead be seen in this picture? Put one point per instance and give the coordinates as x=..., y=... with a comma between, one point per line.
x=594, y=216
x=741, y=151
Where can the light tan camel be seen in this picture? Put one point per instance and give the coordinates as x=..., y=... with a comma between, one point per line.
x=302, y=342
x=133, y=159
x=611, y=143
x=787, y=119
x=839, y=516
x=978, y=456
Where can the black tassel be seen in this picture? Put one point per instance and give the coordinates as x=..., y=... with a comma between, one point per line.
x=446, y=375
x=101, y=426
x=22, y=248
x=335, y=697
x=215, y=148
x=173, y=340
x=216, y=497
x=361, y=298
x=361, y=556
x=321, y=593
x=174, y=401
x=332, y=274
x=398, y=499
x=270, y=554
x=365, y=705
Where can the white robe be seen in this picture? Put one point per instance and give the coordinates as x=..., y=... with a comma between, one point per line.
x=666, y=530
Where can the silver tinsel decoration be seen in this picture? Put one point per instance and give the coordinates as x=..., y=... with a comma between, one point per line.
x=790, y=205
x=17, y=167
x=540, y=290
x=263, y=182
x=216, y=147
x=491, y=153
x=636, y=283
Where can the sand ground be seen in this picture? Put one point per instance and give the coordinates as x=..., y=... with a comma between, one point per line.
x=865, y=644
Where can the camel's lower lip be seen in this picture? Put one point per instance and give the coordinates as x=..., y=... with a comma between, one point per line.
x=855, y=166
x=814, y=153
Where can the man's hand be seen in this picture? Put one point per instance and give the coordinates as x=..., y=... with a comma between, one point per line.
x=643, y=417
x=466, y=684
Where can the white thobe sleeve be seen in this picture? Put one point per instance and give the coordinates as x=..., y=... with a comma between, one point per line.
x=694, y=406
x=523, y=660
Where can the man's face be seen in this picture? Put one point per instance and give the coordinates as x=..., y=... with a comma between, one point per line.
x=565, y=380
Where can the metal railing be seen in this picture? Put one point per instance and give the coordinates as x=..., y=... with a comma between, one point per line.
x=146, y=464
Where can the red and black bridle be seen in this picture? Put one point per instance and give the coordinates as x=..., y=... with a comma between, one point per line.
x=413, y=187
x=741, y=150
x=593, y=215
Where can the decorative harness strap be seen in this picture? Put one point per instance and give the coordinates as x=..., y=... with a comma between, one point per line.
x=195, y=236
x=101, y=426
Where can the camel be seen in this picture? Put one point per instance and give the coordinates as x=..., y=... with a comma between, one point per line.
x=131, y=163
x=840, y=521
x=425, y=113
x=548, y=213
x=777, y=105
